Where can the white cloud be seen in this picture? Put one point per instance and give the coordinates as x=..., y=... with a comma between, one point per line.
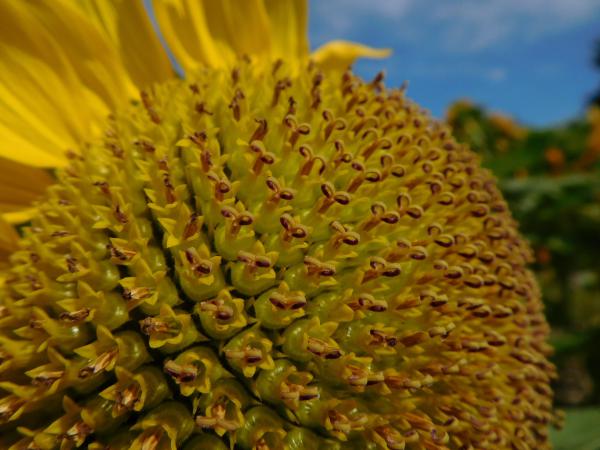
x=479, y=24
x=463, y=25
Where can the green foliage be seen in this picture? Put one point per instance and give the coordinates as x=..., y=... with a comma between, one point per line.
x=551, y=179
x=581, y=431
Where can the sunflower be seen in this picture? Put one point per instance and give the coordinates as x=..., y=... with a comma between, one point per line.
x=266, y=253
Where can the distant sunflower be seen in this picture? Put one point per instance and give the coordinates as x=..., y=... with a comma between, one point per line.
x=270, y=253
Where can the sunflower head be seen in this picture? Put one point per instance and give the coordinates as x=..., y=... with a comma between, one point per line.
x=270, y=254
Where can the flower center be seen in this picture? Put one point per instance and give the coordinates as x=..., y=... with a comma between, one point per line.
x=309, y=243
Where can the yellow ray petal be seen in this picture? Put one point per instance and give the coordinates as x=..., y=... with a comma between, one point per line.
x=214, y=34
x=127, y=26
x=8, y=243
x=341, y=54
x=289, y=27
x=51, y=92
x=20, y=186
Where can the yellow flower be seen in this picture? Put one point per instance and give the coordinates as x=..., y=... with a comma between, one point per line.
x=270, y=253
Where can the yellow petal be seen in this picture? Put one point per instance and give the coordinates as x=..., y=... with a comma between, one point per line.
x=185, y=27
x=59, y=77
x=341, y=54
x=127, y=27
x=289, y=27
x=20, y=186
x=215, y=33
x=8, y=242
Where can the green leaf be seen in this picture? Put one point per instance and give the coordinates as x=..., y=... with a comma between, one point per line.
x=581, y=430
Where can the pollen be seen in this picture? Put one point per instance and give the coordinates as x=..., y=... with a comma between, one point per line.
x=270, y=259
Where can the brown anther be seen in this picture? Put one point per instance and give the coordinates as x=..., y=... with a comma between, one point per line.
x=338, y=124
x=36, y=324
x=276, y=66
x=453, y=273
x=415, y=211
x=278, y=192
x=217, y=418
x=117, y=151
x=316, y=99
x=154, y=117
x=254, y=262
x=287, y=302
x=34, y=282
x=262, y=157
x=104, y=187
x=378, y=80
x=191, y=227
x=235, y=75
x=99, y=364
x=358, y=376
x=444, y=240
x=292, y=229
x=156, y=325
x=381, y=338
x=138, y=293
x=218, y=309
x=314, y=267
x=169, y=189
x=9, y=406
x=393, y=439
x=280, y=86
x=342, y=235
x=236, y=219
x=194, y=88
x=357, y=181
x=291, y=106
x=181, y=373
x=261, y=130
x=200, y=267
x=200, y=108
x=77, y=433
x=146, y=101
x=60, y=233
x=199, y=138
x=378, y=210
x=297, y=392
x=368, y=302
x=120, y=215
x=163, y=164
x=121, y=254
x=146, y=146
x=151, y=439
x=322, y=349
x=221, y=185
x=249, y=355
x=309, y=161
x=126, y=398
x=331, y=197
x=235, y=104
x=296, y=129
x=414, y=339
x=72, y=155
x=379, y=144
x=47, y=378
x=72, y=264
x=75, y=316
x=380, y=267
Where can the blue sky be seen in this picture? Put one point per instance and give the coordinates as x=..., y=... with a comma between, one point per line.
x=528, y=58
